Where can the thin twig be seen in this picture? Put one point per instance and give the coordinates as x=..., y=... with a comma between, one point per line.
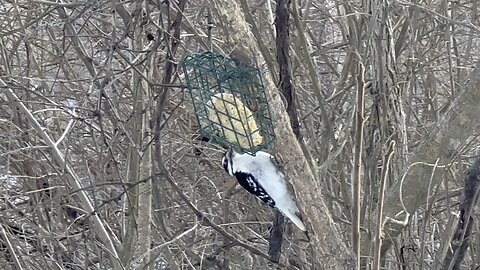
x=162, y=245
x=11, y=248
x=357, y=163
x=381, y=194
x=71, y=176
x=235, y=240
x=427, y=213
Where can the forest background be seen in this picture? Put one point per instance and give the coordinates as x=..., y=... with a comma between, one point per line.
x=101, y=166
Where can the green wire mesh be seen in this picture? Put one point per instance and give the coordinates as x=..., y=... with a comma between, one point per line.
x=229, y=102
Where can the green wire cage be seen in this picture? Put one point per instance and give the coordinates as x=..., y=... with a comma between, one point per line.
x=229, y=102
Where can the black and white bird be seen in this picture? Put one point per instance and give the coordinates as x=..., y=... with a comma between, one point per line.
x=260, y=176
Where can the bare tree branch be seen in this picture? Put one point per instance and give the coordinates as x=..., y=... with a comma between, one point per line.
x=71, y=176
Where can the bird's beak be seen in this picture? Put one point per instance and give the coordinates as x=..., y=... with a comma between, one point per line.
x=230, y=154
x=229, y=159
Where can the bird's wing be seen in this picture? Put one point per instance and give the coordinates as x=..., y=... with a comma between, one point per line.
x=249, y=183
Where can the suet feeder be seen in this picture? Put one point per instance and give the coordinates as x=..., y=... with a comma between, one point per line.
x=229, y=102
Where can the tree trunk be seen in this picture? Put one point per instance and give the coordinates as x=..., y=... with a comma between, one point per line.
x=138, y=225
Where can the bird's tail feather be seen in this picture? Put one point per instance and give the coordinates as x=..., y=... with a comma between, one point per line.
x=295, y=218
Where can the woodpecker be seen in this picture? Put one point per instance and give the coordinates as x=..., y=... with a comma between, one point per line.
x=260, y=176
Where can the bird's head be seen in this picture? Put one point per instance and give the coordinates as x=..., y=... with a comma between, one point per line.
x=227, y=161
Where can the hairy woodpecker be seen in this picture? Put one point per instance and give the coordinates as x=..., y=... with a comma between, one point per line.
x=260, y=176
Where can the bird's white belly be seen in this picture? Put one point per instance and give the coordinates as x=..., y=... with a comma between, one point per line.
x=273, y=183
